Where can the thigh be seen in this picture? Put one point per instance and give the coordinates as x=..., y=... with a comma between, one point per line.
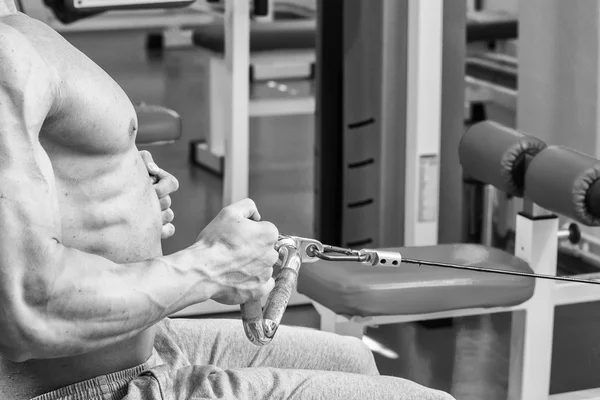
x=223, y=343
x=209, y=382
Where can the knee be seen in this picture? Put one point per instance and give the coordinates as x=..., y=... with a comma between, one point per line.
x=359, y=358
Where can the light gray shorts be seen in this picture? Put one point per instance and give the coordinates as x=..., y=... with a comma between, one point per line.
x=212, y=359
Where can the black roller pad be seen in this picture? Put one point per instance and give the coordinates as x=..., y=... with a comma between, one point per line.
x=496, y=155
x=563, y=181
x=273, y=36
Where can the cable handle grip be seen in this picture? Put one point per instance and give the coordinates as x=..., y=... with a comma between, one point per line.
x=260, y=325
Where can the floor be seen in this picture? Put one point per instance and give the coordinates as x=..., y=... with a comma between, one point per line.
x=468, y=357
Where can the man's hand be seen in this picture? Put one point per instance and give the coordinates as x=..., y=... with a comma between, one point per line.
x=241, y=253
x=164, y=184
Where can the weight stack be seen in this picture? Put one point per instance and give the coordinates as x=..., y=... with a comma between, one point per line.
x=360, y=122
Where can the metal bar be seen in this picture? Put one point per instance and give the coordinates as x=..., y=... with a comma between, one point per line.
x=593, y=240
x=336, y=249
x=487, y=229
x=452, y=219
x=339, y=257
x=423, y=122
x=329, y=95
x=498, y=271
x=393, y=81
x=583, y=255
x=237, y=135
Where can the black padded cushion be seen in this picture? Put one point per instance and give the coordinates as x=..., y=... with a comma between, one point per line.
x=503, y=28
x=358, y=290
x=560, y=180
x=157, y=124
x=272, y=36
x=496, y=155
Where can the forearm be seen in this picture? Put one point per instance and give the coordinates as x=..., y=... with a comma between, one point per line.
x=82, y=302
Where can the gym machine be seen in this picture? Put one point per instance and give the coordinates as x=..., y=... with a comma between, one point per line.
x=374, y=287
x=97, y=15
x=459, y=218
x=68, y=11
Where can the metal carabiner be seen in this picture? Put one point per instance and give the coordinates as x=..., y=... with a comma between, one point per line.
x=334, y=253
x=365, y=256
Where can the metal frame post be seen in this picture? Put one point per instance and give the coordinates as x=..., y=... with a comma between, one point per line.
x=532, y=328
x=237, y=129
x=423, y=122
x=451, y=225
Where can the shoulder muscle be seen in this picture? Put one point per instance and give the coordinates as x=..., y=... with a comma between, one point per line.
x=27, y=85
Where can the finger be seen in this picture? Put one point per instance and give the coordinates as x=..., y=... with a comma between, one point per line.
x=154, y=169
x=267, y=288
x=162, y=174
x=165, y=203
x=166, y=185
x=167, y=216
x=269, y=232
x=274, y=258
x=247, y=209
x=146, y=156
x=267, y=273
x=167, y=231
x=149, y=162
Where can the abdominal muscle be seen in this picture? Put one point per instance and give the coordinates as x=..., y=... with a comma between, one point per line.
x=117, y=217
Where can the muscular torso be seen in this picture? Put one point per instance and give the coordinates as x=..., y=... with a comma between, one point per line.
x=106, y=200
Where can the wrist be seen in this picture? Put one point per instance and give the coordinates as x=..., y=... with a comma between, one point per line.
x=193, y=266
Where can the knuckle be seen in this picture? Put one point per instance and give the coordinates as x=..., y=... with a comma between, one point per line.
x=273, y=258
x=165, y=190
x=264, y=290
x=268, y=270
x=274, y=255
x=165, y=202
x=168, y=230
x=270, y=231
x=170, y=183
x=175, y=184
x=169, y=215
x=228, y=211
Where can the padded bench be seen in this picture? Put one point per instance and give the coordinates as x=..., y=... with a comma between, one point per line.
x=264, y=37
x=157, y=125
x=491, y=30
x=278, y=49
x=359, y=290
